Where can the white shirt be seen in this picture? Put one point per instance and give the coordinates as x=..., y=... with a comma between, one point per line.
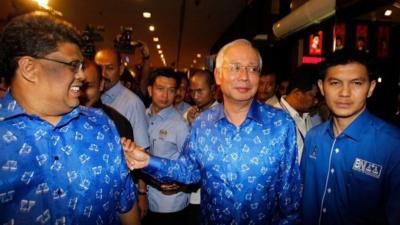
x=303, y=125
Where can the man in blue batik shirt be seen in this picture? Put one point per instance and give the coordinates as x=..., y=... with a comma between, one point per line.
x=60, y=163
x=242, y=151
x=351, y=163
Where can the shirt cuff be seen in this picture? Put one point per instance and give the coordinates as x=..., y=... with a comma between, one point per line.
x=155, y=164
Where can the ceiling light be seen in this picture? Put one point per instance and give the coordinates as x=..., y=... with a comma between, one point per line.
x=198, y=55
x=43, y=3
x=158, y=46
x=146, y=15
x=151, y=28
x=194, y=61
x=160, y=51
x=155, y=39
x=162, y=56
x=388, y=12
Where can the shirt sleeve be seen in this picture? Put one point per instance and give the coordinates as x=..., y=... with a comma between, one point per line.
x=392, y=188
x=183, y=170
x=289, y=186
x=138, y=120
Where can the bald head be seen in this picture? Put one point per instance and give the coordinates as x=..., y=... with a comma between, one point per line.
x=111, y=67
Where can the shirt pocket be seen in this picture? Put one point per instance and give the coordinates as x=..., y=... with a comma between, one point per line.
x=165, y=147
x=364, y=192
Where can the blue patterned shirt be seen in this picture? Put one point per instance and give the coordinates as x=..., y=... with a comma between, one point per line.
x=353, y=178
x=71, y=173
x=248, y=174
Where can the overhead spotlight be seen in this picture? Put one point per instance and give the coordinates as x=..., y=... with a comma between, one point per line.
x=155, y=39
x=43, y=3
x=158, y=46
x=379, y=79
x=151, y=28
x=160, y=51
x=198, y=55
x=146, y=15
x=388, y=12
x=194, y=61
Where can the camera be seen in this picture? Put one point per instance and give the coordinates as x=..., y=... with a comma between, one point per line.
x=91, y=35
x=123, y=42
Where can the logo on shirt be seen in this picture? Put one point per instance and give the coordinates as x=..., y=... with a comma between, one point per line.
x=367, y=168
x=313, y=154
x=163, y=133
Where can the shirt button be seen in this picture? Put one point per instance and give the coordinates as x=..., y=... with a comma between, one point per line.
x=329, y=190
x=324, y=210
x=337, y=150
x=332, y=170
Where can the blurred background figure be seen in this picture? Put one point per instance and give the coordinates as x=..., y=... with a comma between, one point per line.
x=300, y=100
x=202, y=90
x=90, y=97
x=181, y=93
x=283, y=84
x=267, y=88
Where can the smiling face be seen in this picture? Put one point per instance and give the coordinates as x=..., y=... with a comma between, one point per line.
x=58, y=86
x=346, y=89
x=238, y=85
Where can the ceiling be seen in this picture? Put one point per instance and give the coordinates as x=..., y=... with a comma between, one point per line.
x=204, y=21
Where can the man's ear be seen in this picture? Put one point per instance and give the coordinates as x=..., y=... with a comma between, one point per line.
x=28, y=68
x=150, y=91
x=371, y=88
x=217, y=75
x=321, y=87
x=121, y=69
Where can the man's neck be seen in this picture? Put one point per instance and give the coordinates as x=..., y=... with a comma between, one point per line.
x=208, y=105
x=29, y=106
x=341, y=123
x=236, y=112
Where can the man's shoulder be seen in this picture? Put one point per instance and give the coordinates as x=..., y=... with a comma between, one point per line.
x=96, y=115
x=385, y=129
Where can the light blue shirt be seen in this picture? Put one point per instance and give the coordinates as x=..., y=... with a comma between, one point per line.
x=182, y=107
x=353, y=178
x=167, y=132
x=130, y=106
x=71, y=173
x=248, y=174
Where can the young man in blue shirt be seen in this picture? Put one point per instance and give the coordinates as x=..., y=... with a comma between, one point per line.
x=60, y=163
x=351, y=163
x=167, y=132
x=243, y=152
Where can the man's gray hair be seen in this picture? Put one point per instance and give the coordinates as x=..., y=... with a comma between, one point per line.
x=221, y=53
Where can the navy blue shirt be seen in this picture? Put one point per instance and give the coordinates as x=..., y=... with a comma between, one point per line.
x=248, y=174
x=353, y=178
x=71, y=173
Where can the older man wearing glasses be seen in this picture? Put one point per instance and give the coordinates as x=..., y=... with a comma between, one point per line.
x=242, y=152
x=60, y=163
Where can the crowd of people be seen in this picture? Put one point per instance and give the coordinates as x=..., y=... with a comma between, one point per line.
x=85, y=142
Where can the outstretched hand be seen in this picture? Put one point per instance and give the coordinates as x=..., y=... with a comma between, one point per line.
x=135, y=156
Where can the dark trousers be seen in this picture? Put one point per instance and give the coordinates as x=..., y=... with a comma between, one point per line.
x=193, y=214
x=175, y=218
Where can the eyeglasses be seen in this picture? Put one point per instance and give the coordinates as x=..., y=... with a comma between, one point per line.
x=236, y=68
x=75, y=65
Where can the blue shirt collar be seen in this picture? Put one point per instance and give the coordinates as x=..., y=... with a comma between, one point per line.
x=164, y=113
x=9, y=108
x=114, y=91
x=356, y=129
x=254, y=112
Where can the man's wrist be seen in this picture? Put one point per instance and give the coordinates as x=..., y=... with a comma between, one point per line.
x=142, y=192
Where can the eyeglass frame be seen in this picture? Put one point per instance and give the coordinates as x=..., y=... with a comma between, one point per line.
x=74, y=65
x=237, y=68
